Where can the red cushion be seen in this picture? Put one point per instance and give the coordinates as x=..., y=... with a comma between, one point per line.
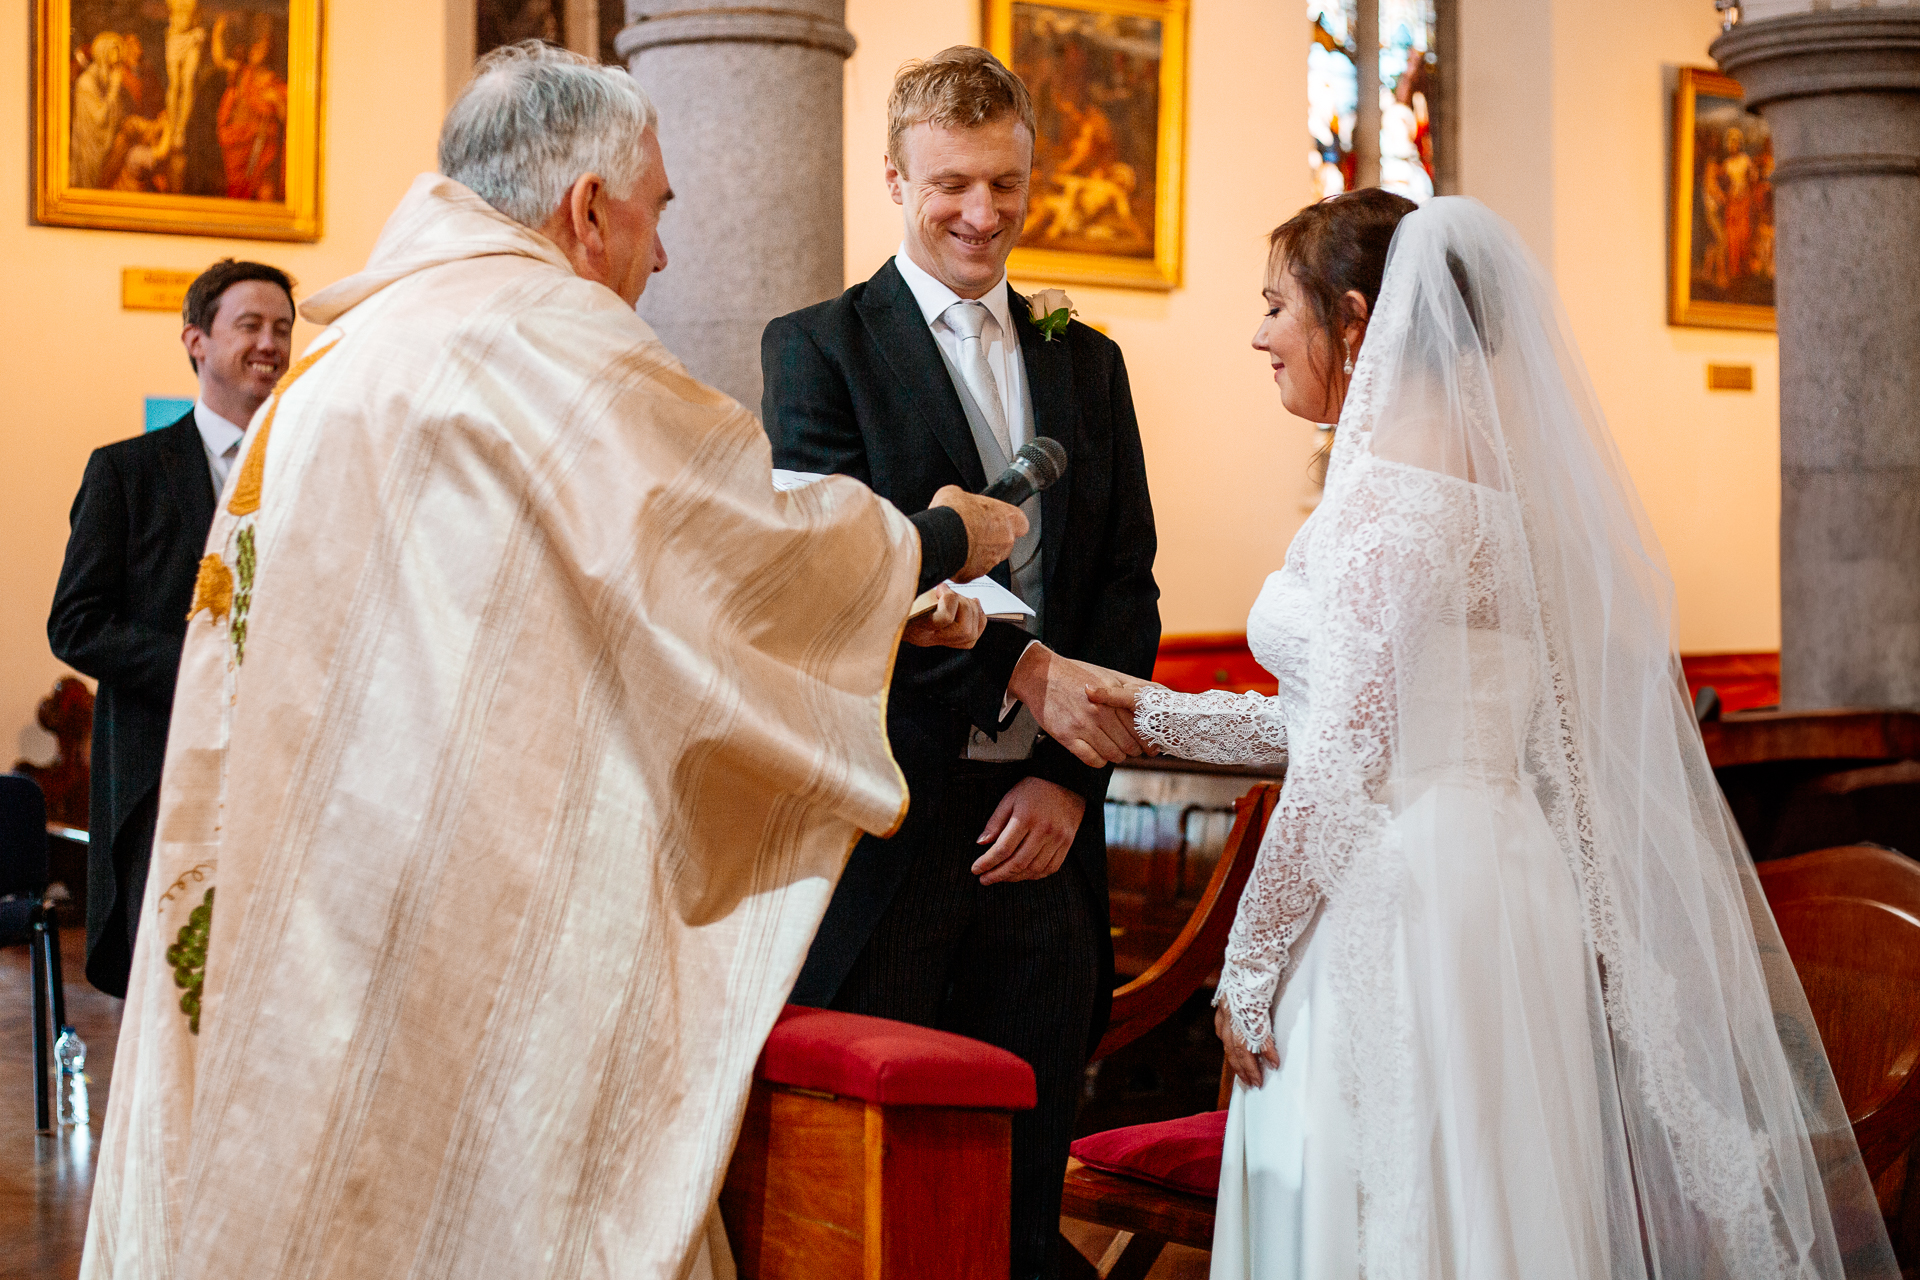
x=1183, y=1154
x=879, y=1060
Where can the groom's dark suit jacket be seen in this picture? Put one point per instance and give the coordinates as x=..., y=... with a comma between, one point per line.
x=119, y=615
x=856, y=386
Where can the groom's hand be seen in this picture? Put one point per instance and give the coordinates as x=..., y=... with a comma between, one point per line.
x=992, y=528
x=1055, y=690
x=1031, y=832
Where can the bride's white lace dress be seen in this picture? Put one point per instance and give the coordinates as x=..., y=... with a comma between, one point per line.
x=1484, y=946
x=1533, y=1017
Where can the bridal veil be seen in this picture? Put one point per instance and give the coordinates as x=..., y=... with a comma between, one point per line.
x=1491, y=604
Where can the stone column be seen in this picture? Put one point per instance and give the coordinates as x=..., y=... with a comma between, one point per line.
x=1840, y=91
x=750, y=127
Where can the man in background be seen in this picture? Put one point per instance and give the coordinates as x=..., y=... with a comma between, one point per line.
x=119, y=614
x=986, y=914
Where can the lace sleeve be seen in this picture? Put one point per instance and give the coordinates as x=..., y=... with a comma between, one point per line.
x=1216, y=727
x=1391, y=555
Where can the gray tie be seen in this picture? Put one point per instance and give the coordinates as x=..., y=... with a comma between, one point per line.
x=967, y=319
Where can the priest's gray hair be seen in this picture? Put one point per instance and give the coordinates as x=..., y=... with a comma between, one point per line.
x=533, y=119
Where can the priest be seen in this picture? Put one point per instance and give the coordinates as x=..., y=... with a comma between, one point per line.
x=522, y=731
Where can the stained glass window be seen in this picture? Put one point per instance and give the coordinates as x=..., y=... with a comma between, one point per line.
x=1407, y=67
x=1333, y=94
x=1399, y=38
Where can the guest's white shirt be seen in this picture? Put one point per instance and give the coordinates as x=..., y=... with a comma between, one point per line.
x=221, y=439
x=1000, y=340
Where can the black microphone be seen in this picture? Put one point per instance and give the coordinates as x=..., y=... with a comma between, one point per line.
x=1039, y=463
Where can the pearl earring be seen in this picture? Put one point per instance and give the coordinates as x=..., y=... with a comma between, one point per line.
x=1349, y=364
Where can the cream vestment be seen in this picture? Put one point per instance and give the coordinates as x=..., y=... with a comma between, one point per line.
x=522, y=732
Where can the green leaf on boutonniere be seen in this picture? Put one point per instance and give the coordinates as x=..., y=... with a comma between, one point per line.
x=1051, y=309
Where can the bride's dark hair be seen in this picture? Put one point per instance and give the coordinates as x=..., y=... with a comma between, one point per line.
x=1330, y=249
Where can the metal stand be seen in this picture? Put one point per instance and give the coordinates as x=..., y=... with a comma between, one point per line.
x=49, y=1009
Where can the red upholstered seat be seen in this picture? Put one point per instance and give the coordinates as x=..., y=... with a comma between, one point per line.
x=1183, y=1154
x=892, y=1063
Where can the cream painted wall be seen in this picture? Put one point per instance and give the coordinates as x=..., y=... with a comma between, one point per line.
x=1563, y=131
x=76, y=366
x=1564, y=126
x=1226, y=464
x=1565, y=120
x=1707, y=463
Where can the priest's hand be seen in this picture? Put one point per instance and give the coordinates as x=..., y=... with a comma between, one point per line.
x=1055, y=690
x=955, y=623
x=1030, y=832
x=992, y=528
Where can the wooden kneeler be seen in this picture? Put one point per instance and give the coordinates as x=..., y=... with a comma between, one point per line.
x=874, y=1150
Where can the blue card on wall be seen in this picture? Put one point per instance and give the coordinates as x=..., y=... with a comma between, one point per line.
x=164, y=411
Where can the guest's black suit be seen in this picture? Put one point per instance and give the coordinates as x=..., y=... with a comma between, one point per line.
x=139, y=527
x=857, y=386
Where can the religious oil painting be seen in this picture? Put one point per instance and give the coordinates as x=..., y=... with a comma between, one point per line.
x=1721, y=267
x=1108, y=79
x=200, y=117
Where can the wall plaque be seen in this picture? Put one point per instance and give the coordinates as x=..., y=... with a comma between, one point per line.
x=154, y=289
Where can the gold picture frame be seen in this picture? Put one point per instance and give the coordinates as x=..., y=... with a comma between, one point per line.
x=1110, y=155
x=1720, y=232
x=178, y=118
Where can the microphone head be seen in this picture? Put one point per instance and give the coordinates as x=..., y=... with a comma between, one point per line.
x=1042, y=458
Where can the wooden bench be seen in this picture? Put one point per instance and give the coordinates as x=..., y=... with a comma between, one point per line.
x=1803, y=780
x=1850, y=918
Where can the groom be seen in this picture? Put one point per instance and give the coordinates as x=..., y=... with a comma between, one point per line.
x=986, y=914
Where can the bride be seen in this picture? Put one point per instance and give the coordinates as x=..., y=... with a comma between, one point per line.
x=1502, y=999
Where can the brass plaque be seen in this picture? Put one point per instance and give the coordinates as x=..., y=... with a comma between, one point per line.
x=1729, y=377
x=153, y=289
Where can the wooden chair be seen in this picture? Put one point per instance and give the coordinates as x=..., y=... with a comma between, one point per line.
x=874, y=1150
x=1850, y=918
x=1148, y=1217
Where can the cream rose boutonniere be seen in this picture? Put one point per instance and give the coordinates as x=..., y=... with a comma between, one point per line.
x=1051, y=309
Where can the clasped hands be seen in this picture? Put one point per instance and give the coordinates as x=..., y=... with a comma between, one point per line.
x=1086, y=709
x=1081, y=707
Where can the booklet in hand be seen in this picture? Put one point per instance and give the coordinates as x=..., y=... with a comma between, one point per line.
x=1001, y=604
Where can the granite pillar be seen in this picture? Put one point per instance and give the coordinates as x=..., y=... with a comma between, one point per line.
x=1840, y=91
x=750, y=128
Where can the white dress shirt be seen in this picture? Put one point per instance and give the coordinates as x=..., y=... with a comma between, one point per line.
x=1002, y=343
x=1000, y=339
x=221, y=439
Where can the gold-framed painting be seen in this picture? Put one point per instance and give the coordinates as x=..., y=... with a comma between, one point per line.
x=1109, y=86
x=1720, y=236
x=195, y=117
